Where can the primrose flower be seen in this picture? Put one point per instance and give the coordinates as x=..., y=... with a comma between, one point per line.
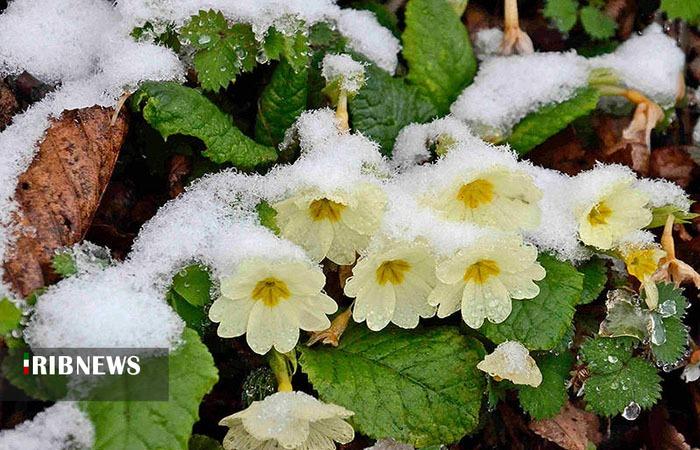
x=392, y=284
x=642, y=263
x=691, y=372
x=511, y=361
x=497, y=197
x=288, y=420
x=481, y=280
x=270, y=301
x=334, y=225
x=615, y=213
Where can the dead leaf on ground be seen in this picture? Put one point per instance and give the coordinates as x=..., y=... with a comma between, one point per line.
x=673, y=163
x=8, y=105
x=179, y=168
x=662, y=435
x=59, y=193
x=571, y=429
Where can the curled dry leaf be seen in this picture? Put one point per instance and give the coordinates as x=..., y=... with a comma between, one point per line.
x=59, y=193
x=673, y=163
x=571, y=429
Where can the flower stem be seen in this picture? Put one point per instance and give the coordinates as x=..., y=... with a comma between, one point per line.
x=281, y=366
x=511, y=20
x=341, y=112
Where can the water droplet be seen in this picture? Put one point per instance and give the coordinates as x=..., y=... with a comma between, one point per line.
x=667, y=308
x=658, y=331
x=204, y=39
x=612, y=359
x=16, y=334
x=261, y=57
x=631, y=411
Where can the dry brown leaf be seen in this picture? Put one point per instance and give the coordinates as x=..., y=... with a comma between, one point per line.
x=179, y=168
x=8, y=105
x=571, y=429
x=662, y=433
x=673, y=163
x=59, y=193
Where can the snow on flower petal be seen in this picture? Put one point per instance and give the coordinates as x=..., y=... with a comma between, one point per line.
x=392, y=284
x=270, y=301
x=335, y=224
x=480, y=280
x=511, y=361
x=288, y=420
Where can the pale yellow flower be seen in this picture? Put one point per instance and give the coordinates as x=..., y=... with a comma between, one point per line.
x=498, y=197
x=511, y=361
x=481, y=280
x=642, y=263
x=616, y=213
x=270, y=301
x=392, y=284
x=288, y=420
x=335, y=225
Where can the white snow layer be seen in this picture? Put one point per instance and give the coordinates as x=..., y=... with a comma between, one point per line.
x=506, y=89
x=350, y=72
x=59, y=427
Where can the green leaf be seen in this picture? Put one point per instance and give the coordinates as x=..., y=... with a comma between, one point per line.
x=597, y=24
x=540, y=323
x=268, y=216
x=45, y=388
x=688, y=10
x=616, y=377
x=64, y=264
x=548, y=398
x=418, y=386
x=677, y=334
x=539, y=126
x=157, y=424
x=294, y=48
x=223, y=51
x=193, y=284
x=660, y=214
x=385, y=105
x=10, y=315
x=595, y=277
x=174, y=109
x=281, y=102
x=564, y=13
x=201, y=442
x=439, y=54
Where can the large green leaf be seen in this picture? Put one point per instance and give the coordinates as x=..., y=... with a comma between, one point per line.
x=417, y=386
x=549, y=120
x=548, y=398
x=540, y=323
x=688, y=10
x=174, y=109
x=595, y=276
x=439, y=54
x=157, y=424
x=676, y=331
x=616, y=377
x=10, y=316
x=385, y=105
x=281, y=102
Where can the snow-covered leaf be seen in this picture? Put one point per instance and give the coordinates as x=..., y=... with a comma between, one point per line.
x=417, y=386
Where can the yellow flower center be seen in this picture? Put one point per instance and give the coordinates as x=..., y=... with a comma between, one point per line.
x=476, y=193
x=641, y=263
x=599, y=214
x=393, y=271
x=324, y=209
x=270, y=291
x=481, y=271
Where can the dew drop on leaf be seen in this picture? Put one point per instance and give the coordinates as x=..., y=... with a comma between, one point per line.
x=631, y=411
x=204, y=39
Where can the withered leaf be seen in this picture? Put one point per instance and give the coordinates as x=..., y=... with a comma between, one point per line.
x=60, y=191
x=572, y=429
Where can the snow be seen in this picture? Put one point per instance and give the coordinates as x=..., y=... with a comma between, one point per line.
x=663, y=192
x=413, y=144
x=487, y=42
x=364, y=33
x=651, y=63
x=350, y=72
x=60, y=427
x=506, y=89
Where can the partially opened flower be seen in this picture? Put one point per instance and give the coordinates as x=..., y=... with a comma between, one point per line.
x=482, y=279
x=270, y=301
x=332, y=224
x=498, y=197
x=691, y=372
x=392, y=284
x=673, y=269
x=511, y=361
x=618, y=211
x=288, y=420
x=642, y=263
